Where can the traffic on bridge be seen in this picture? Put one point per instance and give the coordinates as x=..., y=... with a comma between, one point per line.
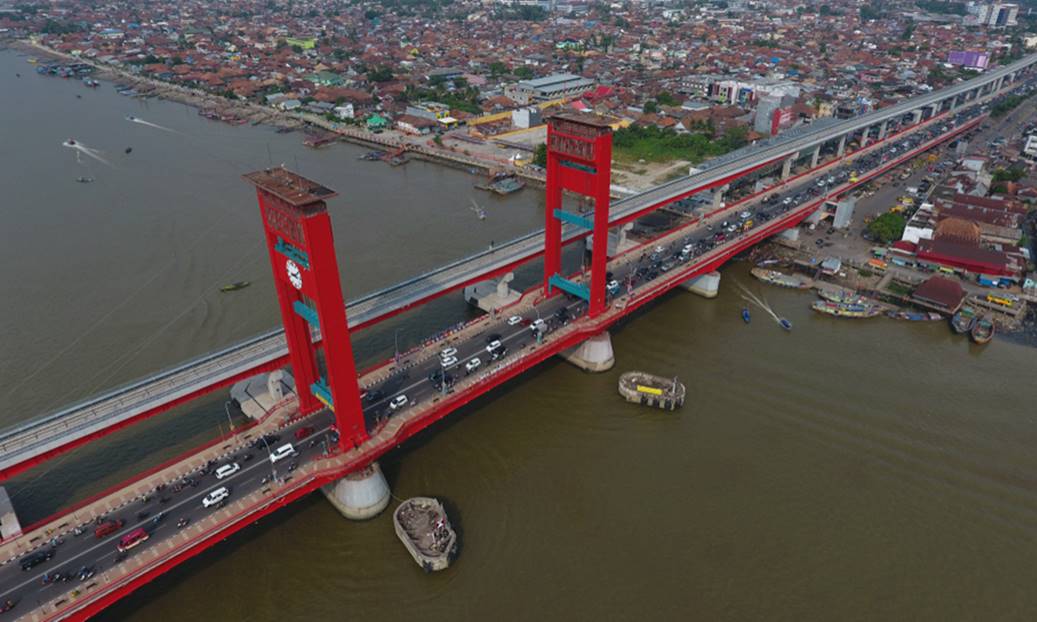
x=338, y=421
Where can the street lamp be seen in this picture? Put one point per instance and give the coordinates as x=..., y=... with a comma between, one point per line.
x=269, y=456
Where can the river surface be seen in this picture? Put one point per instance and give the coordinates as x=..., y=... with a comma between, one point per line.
x=847, y=470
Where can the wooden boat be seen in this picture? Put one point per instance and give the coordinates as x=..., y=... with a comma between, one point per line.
x=962, y=321
x=233, y=287
x=982, y=330
x=422, y=525
x=781, y=279
x=915, y=316
x=843, y=296
x=856, y=311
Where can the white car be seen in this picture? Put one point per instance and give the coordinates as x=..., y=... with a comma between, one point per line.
x=539, y=326
x=613, y=287
x=515, y=319
x=448, y=352
x=493, y=345
x=281, y=453
x=215, y=497
x=227, y=470
x=745, y=215
x=448, y=361
x=398, y=402
x=472, y=365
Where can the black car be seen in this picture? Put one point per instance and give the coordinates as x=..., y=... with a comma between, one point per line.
x=493, y=337
x=562, y=315
x=35, y=559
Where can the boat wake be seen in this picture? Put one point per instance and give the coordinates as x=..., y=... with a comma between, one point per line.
x=150, y=124
x=71, y=143
x=752, y=298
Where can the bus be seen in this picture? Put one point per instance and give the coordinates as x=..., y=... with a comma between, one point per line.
x=132, y=539
x=1005, y=300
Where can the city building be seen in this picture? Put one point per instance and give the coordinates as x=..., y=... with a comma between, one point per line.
x=547, y=88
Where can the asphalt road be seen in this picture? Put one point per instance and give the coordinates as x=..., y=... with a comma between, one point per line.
x=26, y=589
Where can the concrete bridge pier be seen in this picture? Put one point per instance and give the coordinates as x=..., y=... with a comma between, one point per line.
x=360, y=495
x=705, y=285
x=618, y=240
x=786, y=168
x=883, y=128
x=842, y=146
x=593, y=355
x=493, y=294
x=916, y=116
x=815, y=157
x=718, y=196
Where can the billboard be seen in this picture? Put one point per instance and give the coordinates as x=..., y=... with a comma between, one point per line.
x=781, y=118
x=969, y=60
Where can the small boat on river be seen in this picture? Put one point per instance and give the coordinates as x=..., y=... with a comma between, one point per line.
x=746, y=317
x=233, y=287
x=856, y=311
x=781, y=279
x=422, y=525
x=982, y=330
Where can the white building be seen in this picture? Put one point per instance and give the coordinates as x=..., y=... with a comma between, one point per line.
x=547, y=88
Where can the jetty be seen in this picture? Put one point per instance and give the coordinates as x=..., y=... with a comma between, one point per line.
x=651, y=390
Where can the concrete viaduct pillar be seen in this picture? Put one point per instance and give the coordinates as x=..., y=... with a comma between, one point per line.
x=842, y=146
x=865, y=137
x=883, y=128
x=786, y=168
x=916, y=116
x=718, y=195
x=816, y=157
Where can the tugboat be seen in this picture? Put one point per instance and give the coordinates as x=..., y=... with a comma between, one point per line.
x=982, y=330
x=233, y=287
x=422, y=525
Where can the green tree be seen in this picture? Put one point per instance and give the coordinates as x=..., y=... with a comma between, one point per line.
x=651, y=106
x=540, y=155
x=524, y=72
x=381, y=74
x=888, y=227
x=498, y=68
x=666, y=99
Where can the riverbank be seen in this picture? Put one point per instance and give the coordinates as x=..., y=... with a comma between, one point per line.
x=241, y=111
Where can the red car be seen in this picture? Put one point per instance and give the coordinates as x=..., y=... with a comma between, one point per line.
x=108, y=528
x=303, y=432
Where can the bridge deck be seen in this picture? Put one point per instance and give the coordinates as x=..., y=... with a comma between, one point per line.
x=39, y=439
x=119, y=580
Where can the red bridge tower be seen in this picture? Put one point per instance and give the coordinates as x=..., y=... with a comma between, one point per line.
x=302, y=254
x=579, y=159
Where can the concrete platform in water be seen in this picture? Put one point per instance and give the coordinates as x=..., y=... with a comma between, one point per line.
x=422, y=525
x=643, y=388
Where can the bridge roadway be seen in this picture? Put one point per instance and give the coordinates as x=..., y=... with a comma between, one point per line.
x=35, y=441
x=257, y=491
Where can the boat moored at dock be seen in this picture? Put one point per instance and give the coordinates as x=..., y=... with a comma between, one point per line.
x=422, y=525
x=781, y=279
x=856, y=311
x=961, y=322
x=982, y=330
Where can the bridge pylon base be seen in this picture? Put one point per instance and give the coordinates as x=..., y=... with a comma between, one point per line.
x=360, y=495
x=705, y=285
x=593, y=355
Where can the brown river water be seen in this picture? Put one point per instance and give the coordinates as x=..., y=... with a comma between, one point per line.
x=869, y=470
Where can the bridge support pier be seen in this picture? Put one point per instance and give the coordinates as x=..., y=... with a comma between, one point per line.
x=492, y=294
x=882, y=129
x=618, y=240
x=361, y=494
x=593, y=355
x=917, y=116
x=816, y=157
x=786, y=168
x=718, y=196
x=842, y=146
x=705, y=285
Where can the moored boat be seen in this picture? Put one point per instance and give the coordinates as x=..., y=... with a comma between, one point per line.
x=962, y=321
x=843, y=296
x=781, y=279
x=837, y=309
x=982, y=330
x=422, y=525
x=915, y=316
